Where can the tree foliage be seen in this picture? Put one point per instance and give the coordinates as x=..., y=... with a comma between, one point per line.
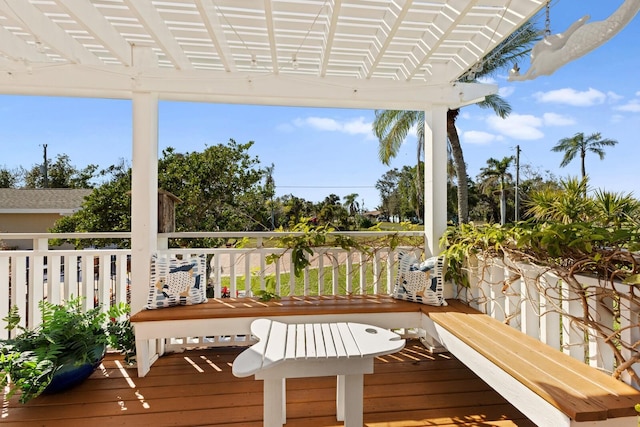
x=220, y=189
x=9, y=178
x=60, y=174
x=571, y=235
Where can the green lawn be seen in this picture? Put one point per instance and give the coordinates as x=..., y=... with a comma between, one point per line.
x=325, y=288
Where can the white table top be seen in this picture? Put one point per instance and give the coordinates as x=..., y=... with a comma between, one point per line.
x=280, y=342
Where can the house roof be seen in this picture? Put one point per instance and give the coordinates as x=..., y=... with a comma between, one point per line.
x=401, y=54
x=41, y=200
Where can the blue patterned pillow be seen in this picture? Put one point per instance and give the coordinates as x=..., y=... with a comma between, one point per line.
x=177, y=282
x=420, y=282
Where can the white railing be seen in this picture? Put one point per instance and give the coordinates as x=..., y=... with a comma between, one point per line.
x=102, y=276
x=535, y=301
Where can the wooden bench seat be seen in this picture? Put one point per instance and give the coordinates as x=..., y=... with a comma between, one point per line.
x=549, y=387
x=287, y=306
x=533, y=376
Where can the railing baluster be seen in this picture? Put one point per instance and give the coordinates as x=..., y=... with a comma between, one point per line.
x=278, y=281
x=247, y=274
x=120, y=282
x=530, y=300
x=70, y=272
x=232, y=275
x=349, y=272
x=36, y=288
x=335, y=273
x=53, y=279
x=104, y=281
x=390, y=264
x=363, y=274
x=630, y=333
x=263, y=266
x=376, y=272
x=5, y=261
x=572, y=337
x=321, y=255
x=19, y=287
x=88, y=279
x=550, y=309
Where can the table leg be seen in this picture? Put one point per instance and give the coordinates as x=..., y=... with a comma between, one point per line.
x=353, y=400
x=340, y=398
x=275, y=409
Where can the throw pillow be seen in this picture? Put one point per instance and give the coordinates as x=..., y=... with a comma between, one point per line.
x=420, y=282
x=177, y=282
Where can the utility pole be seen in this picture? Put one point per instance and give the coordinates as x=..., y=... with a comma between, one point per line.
x=517, y=202
x=45, y=172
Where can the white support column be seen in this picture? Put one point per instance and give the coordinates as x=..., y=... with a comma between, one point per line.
x=144, y=194
x=435, y=176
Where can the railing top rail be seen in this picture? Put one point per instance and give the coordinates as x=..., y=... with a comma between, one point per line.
x=194, y=234
x=63, y=252
x=96, y=235
x=213, y=234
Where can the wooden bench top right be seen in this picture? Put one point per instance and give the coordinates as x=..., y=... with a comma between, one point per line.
x=578, y=390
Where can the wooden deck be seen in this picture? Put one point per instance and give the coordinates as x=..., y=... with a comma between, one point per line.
x=197, y=388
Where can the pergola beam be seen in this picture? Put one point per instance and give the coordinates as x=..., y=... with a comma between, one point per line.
x=389, y=34
x=221, y=87
x=151, y=20
x=97, y=25
x=48, y=33
x=211, y=21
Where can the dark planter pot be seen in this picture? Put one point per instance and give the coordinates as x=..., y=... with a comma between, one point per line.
x=70, y=375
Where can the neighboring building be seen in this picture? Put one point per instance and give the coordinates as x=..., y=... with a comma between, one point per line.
x=26, y=210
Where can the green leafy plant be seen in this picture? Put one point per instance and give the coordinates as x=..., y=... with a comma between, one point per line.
x=67, y=335
x=120, y=333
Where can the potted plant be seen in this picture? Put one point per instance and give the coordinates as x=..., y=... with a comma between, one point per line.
x=60, y=353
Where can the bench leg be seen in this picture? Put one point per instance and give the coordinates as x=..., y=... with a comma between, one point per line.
x=142, y=357
x=275, y=402
x=349, y=400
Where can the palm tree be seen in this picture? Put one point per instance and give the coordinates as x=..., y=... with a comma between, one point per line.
x=566, y=204
x=392, y=126
x=496, y=173
x=351, y=204
x=581, y=144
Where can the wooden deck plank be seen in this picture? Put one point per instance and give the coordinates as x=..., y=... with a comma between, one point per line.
x=413, y=388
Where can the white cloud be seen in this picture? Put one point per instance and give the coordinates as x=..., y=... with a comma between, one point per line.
x=355, y=126
x=517, y=126
x=614, y=97
x=478, y=137
x=506, y=91
x=572, y=97
x=632, y=106
x=553, y=119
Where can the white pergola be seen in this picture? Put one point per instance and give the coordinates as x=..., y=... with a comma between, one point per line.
x=369, y=54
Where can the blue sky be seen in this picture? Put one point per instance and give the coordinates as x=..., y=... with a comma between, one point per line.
x=317, y=152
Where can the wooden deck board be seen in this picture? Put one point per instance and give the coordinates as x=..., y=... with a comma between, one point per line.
x=197, y=388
